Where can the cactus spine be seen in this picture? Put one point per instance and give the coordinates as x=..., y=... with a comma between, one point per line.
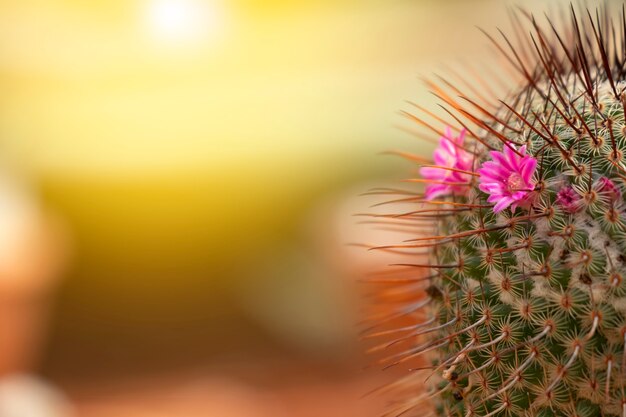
x=520, y=307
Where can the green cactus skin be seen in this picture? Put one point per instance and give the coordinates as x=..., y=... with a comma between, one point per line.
x=523, y=313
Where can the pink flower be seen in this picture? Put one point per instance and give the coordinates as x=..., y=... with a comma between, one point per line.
x=508, y=177
x=608, y=188
x=449, y=154
x=568, y=200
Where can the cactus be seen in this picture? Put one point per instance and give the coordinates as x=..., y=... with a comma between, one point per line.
x=518, y=307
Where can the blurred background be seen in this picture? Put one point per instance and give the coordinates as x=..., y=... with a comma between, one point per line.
x=177, y=190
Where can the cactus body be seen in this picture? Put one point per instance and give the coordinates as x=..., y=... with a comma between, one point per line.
x=520, y=307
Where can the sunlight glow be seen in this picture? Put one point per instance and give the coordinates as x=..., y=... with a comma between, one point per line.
x=184, y=20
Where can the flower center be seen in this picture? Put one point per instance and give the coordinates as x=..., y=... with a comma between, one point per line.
x=515, y=182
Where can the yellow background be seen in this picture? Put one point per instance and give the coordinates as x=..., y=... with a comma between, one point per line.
x=191, y=164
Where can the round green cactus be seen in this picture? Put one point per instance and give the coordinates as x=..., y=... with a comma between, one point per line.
x=520, y=307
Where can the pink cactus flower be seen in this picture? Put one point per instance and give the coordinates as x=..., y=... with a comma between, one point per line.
x=608, y=188
x=449, y=154
x=568, y=200
x=508, y=178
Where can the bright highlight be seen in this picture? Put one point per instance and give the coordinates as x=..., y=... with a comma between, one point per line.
x=183, y=20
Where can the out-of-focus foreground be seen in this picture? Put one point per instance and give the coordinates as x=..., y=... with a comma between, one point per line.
x=181, y=176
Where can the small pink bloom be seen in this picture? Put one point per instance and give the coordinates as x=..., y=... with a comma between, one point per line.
x=608, y=188
x=449, y=154
x=568, y=200
x=508, y=177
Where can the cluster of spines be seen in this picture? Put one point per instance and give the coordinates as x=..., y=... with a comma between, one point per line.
x=520, y=313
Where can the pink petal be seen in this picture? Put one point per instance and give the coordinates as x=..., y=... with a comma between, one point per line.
x=512, y=157
x=448, y=146
x=435, y=190
x=449, y=154
x=492, y=171
x=502, y=204
x=432, y=173
x=501, y=160
x=519, y=195
x=494, y=198
x=528, y=169
x=491, y=188
x=461, y=138
x=440, y=158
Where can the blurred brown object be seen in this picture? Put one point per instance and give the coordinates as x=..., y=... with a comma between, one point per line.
x=226, y=395
x=33, y=250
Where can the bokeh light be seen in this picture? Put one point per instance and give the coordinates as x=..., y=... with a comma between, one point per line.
x=184, y=21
